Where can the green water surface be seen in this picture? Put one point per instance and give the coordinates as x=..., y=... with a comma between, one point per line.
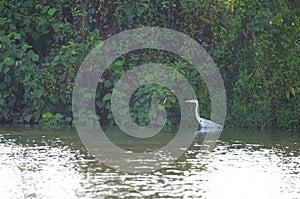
x=41, y=163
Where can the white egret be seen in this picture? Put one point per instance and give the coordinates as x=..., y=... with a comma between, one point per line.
x=204, y=123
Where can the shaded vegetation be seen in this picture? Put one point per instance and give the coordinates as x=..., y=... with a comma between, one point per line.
x=255, y=44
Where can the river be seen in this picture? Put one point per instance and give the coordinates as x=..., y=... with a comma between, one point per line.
x=43, y=163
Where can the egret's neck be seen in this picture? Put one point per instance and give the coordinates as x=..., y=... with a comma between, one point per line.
x=197, y=112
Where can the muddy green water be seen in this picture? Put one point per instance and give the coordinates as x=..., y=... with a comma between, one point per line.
x=40, y=163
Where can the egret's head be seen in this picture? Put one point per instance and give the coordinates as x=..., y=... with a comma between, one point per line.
x=192, y=101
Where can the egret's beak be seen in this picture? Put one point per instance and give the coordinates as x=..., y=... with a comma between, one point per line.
x=190, y=101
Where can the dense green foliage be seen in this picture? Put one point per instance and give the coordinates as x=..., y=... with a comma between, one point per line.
x=255, y=44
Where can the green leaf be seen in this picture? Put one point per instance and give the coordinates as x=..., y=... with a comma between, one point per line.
x=109, y=116
x=142, y=99
x=39, y=93
x=44, y=9
x=52, y=11
x=107, y=97
x=99, y=104
x=160, y=107
x=17, y=36
x=47, y=115
x=5, y=70
x=107, y=83
x=118, y=63
x=167, y=103
x=72, y=60
x=292, y=90
x=155, y=100
x=34, y=57
x=3, y=21
x=2, y=102
x=173, y=99
x=56, y=58
x=2, y=86
x=25, y=46
x=7, y=78
x=8, y=61
x=287, y=94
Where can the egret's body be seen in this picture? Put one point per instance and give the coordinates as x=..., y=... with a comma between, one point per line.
x=204, y=123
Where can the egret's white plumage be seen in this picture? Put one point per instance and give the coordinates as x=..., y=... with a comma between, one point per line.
x=204, y=123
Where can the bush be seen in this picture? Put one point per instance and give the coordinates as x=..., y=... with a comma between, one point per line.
x=254, y=43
